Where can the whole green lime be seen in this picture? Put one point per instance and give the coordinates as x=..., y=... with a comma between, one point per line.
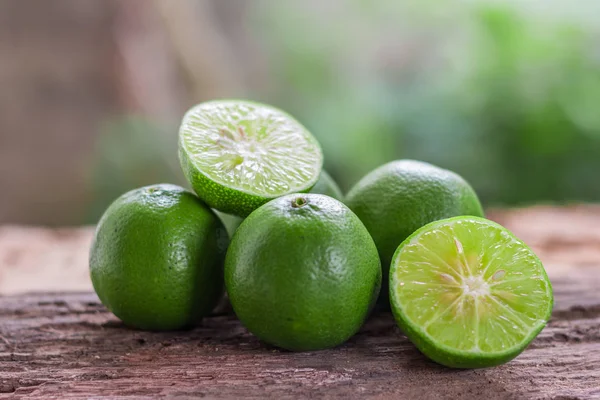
x=400, y=197
x=156, y=260
x=302, y=272
x=327, y=186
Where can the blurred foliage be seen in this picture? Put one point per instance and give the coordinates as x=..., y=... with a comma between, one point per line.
x=131, y=152
x=507, y=98
x=532, y=98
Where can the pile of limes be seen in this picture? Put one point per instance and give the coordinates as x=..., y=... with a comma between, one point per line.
x=305, y=266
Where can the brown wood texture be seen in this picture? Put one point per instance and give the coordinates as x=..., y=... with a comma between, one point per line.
x=65, y=344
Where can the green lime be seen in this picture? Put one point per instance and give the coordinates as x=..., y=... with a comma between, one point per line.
x=157, y=257
x=237, y=155
x=302, y=272
x=398, y=198
x=468, y=293
x=231, y=222
x=327, y=186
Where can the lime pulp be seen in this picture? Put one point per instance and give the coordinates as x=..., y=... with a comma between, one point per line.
x=468, y=293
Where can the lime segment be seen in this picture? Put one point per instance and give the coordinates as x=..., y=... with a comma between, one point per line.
x=252, y=149
x=468, y=293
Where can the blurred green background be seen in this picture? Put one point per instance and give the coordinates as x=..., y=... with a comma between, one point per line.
x=505, y=93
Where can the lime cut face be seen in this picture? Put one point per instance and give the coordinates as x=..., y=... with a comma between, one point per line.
x=468, y=293
x=249, y=148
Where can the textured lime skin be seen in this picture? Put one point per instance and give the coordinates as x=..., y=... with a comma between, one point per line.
x=327, y=186
x=302, y=277
x=227, y=199
x=443, y=354
x=398, y=198
x=156, y=260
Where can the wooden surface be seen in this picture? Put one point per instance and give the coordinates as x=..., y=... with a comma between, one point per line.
x=65, y=345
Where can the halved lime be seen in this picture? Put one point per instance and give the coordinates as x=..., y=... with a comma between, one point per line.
x=237, y=155
x=468, y=293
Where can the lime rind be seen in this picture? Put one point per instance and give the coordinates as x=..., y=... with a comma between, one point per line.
x=254, y=151
x=219, y=197
x=156, y=260
x=504, y=310
x=302, y=272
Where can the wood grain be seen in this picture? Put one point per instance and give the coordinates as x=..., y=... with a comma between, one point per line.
x=65, y=344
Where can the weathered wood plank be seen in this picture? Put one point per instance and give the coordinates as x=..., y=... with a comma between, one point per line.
x=65, y=345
